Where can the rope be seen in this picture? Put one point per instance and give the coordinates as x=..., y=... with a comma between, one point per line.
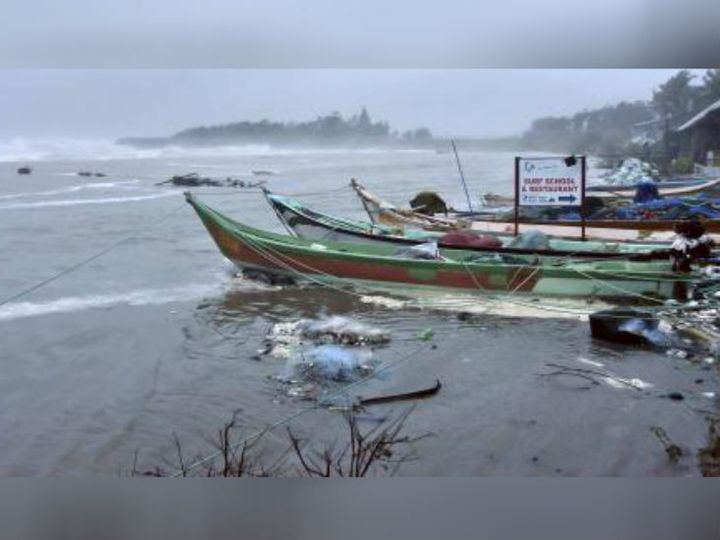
x=255, y=190
x=88, y=260
x=267, y=252
x=299, y=413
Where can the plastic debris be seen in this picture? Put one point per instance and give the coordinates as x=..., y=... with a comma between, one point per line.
x=427, y=334
x=343, y=330
x=531, y=240
x=328, y=362
x=390, y=303
x=676, y=353
x=630, y=172
x=649, y=330
x=426, y=251
x=335, y=330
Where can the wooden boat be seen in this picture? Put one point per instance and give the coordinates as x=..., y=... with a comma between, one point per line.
x=385, y=213
x=459, y=270
x=313, y=225
x=666, y=188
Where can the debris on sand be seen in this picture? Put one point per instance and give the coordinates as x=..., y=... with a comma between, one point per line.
x=193, y=179
x=683, y=330
x=673, y=451
x=593, y=376
x=709, y=456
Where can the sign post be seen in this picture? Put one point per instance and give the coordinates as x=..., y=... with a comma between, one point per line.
x=583, y=169
x=550, y=181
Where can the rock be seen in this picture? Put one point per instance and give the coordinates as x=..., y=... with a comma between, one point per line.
x=675, y=396
x=24, y=170
x=195, y=180
x=267, y=277
x=428, y=202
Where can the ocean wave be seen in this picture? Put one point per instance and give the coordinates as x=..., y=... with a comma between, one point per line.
x=75, y=202
x=24, y=150
x=71, y=189
x=142, y=297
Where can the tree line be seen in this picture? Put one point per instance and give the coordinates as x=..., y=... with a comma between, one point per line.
x=611, y=130
x=327, y=129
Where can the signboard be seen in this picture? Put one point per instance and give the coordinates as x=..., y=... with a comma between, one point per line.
x=550, y=182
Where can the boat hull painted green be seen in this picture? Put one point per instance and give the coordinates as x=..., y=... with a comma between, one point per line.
x=462, y=270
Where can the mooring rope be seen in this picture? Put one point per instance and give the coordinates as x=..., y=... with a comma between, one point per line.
x=267, y=252
x=89, y=259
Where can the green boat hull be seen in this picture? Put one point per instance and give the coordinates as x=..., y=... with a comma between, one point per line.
x=459, y=269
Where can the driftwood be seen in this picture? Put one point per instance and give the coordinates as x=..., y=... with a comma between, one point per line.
x=416, y=394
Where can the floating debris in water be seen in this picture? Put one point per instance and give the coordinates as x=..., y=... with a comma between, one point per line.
x=319, y=352
x=308, y=373
x=268, y=278
x=332, y=330
x=384, y=301
x=427, y=334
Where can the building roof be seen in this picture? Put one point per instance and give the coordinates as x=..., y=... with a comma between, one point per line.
x=700, y=116
x=652, y=122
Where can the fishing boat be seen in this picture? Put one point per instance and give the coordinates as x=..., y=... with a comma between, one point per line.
x=667, y=188
x=314, y=225
x=382, y=212
x=454, y=269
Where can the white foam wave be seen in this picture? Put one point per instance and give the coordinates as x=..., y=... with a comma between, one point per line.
x=21, y=149
x=75, y=202
x=21, y=310
x=70, y=189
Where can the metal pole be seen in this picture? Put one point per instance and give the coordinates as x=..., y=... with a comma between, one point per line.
x=582, y=194
x=517, y=190
x=462, y=176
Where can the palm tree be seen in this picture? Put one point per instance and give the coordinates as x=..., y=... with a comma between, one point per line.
x=677, y=99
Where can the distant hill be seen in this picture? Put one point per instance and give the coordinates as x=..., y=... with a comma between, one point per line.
x=329, y=130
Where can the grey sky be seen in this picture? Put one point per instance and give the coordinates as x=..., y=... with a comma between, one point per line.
x=353, y=33
x=114, y=103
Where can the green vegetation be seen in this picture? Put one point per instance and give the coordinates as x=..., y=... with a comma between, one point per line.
x=329, y=130
x=629, y=129
x=601, y=131
x=683, y=164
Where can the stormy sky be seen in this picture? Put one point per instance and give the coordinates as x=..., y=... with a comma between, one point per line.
x=483, y=102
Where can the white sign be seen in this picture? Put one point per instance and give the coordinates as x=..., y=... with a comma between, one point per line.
x=550, y=182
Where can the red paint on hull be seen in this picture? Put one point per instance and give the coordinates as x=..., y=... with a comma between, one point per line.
x=523, y=279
